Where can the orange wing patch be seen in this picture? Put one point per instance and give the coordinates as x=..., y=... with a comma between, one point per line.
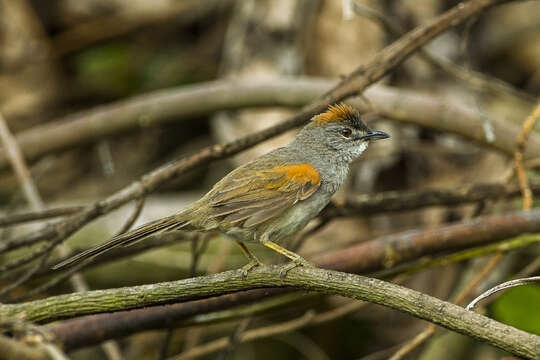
x=338, y=112
x=301, y=173
x=262, y=195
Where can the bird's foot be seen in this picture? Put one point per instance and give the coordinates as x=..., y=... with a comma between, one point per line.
x=253, y=263
x=298, y=261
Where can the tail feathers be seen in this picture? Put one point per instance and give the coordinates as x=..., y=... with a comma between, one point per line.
x=168, y=223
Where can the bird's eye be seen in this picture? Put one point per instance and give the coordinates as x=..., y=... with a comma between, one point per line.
x=346, y=132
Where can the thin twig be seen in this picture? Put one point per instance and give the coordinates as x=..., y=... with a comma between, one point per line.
x=521, y=143
x=233, y=339
x=51, y=283
x=529, y=269
x=19, y=166
x=409, y=346
x=501, y=287
x=26, y=275
x=134, y=216
x=44, y=214
x=308, y=319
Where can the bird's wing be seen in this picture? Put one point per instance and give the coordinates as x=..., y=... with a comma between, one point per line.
x=260, y=195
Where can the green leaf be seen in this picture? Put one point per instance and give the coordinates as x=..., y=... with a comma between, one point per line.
x=519, y=307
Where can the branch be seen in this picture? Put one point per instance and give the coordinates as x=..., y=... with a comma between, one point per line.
x=372, y=204
x=14, y=219
x=358, y=287
x=186, y=102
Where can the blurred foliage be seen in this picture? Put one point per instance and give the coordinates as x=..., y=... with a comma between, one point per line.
x=109, y=69
x=519, y=307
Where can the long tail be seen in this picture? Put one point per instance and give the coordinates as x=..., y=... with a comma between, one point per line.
x=169, y=223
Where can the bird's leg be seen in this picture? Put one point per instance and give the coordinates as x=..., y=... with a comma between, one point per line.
x=253, y=261
x=297, y=260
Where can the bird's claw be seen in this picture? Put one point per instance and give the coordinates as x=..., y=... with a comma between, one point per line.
x=250, y=266
x=299, y=261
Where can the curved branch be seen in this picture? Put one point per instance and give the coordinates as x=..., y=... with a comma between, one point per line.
x=358, y=287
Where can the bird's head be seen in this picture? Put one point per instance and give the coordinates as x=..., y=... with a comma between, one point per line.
x=341, y=130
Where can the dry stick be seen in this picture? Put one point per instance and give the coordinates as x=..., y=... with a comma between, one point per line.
x=36, y=203
x=530, y=269
x=354, y=84
x=234, y=338
x=16, y=160
x=184, y=103
x=308, y=319
x=323, y=281
x=27, y=274
x=365, y=257
x=521, y=143
x=43, y=214
x=134, y=216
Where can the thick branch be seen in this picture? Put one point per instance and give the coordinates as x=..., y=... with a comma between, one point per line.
x=187, y=102
x=324, y=281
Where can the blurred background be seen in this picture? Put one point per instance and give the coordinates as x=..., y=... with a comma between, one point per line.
x=64, y=61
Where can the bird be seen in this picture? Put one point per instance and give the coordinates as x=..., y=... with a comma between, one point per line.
x=272, y=197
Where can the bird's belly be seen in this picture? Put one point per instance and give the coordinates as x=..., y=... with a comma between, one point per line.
x=294, y=219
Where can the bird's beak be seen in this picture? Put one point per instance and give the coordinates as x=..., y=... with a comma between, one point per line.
x=374, y=135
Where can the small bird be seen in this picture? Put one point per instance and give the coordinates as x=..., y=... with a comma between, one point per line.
x=274, y=196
